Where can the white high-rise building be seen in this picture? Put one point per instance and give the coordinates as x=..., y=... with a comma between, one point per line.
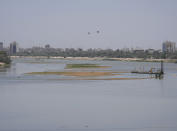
x=169, y=47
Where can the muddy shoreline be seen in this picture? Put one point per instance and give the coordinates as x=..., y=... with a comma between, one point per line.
x=101, y=59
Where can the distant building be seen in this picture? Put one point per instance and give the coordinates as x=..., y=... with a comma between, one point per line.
x=168, y=46
x=47, y=46
x=138, y=50
x=150, y=51
x=1, y=46
x=13, y=48
x=125, y=50
x=159, y=51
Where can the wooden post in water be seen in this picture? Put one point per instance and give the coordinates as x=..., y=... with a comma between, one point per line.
x=162, y=70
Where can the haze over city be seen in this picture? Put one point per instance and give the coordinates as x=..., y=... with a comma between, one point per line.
x=74, y=23
x=88, y=65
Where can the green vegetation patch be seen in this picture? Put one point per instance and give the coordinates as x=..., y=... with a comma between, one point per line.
x=45, y=73
x=69, y=66
x=4, y=58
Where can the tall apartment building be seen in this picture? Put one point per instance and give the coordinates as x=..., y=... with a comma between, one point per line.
x=1, y=46
x=168, y=46
x=13, y=48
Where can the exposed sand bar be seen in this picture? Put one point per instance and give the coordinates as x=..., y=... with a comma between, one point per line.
x=79, y=74
x=108, y=78
x=84, y=75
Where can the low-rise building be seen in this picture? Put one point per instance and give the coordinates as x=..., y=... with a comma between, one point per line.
x=150, y=51
x=138, y=51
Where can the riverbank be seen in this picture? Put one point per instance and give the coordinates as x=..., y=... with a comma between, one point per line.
x=2, y=64
x=4, y=59
x=101, y=59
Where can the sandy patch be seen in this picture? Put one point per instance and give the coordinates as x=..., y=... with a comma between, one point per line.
x=80, y=74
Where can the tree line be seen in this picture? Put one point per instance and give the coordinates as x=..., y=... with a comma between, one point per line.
x=118, y=53
x=4, y=57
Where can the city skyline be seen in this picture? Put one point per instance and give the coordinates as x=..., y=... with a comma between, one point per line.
x=7, y=45
x=75, y=24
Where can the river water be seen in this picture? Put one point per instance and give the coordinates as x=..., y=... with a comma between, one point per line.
x=51, y=103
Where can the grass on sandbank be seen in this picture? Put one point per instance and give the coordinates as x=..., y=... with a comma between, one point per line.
x=69, y=66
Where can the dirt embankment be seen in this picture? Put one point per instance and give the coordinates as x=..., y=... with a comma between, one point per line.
x=101, y=58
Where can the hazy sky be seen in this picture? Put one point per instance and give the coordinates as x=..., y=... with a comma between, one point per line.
x=66, y=23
